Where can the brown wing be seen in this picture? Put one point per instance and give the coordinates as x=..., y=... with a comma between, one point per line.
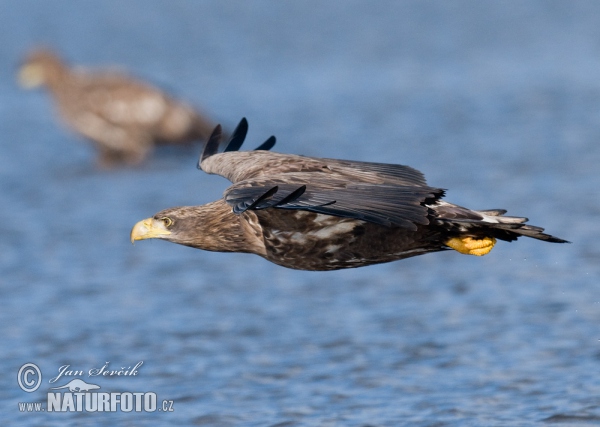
x=387, y=205
x=240, y=166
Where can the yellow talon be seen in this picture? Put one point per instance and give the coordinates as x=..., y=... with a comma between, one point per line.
x=471, y=246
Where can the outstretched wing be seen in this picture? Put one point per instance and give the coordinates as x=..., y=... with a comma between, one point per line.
x=239, y=166
x=245, y=165
x=385, y=194
x=387, y=205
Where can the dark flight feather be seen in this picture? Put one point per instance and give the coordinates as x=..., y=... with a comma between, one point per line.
x=291, y=197
x=258, y=203
x=212, y=145
x=267, y=145
x=238, y=136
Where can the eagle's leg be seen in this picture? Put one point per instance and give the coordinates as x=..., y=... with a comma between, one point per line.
x=471, y=246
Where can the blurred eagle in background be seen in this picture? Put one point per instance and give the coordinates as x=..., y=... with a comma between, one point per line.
x=313, y=213
x=124, y=117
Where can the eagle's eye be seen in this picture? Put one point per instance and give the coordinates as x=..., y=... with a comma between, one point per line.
x=167, y=221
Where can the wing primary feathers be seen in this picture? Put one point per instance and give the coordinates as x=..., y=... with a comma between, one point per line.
x=262, y=198
x=292, y=196
x=212, y=145
x=390, y=206
x=239, y=134
x=267, y=145
x=323, y=204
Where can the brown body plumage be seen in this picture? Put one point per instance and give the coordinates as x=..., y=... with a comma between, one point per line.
x=326, y=214
x=126, y=118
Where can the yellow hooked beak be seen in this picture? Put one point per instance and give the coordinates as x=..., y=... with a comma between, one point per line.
x=148, y=228
x=31, y=76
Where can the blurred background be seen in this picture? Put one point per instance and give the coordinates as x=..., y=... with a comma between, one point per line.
x=497, y=101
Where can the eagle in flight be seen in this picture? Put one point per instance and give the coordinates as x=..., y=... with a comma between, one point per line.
x=311, y=213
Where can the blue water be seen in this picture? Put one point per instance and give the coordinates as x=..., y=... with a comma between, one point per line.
x=497, y=101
